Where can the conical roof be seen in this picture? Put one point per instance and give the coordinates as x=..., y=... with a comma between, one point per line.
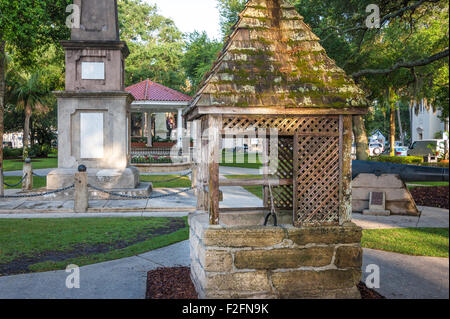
x=272, y=59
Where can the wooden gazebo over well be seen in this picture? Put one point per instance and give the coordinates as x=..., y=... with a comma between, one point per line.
x=274, y=74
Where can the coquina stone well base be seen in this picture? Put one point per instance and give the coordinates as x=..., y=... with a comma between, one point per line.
x=274, y=262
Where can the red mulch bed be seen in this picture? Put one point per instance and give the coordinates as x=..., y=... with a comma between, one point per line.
x=170, y=283
x=175, y=283
x=367, y=293
x=435, y=196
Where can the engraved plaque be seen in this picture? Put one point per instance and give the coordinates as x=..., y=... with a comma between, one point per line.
x=93, y=70
x=91, y=135
x=377, y=199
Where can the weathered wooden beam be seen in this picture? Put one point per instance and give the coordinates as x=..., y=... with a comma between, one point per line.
x=214, y=127
x=220, y=194
x=345, y=194
x=255, y=182
x=202, y=166
x=196, y=182
x=244, y=210
x=226, y=110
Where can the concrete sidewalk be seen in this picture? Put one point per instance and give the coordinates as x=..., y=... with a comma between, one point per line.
x=185, y=202
x=117, y=279
x=401, y=277
x=409, y=277
x=431, y=217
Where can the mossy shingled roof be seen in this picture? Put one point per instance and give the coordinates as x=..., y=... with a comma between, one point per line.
x=273, y=59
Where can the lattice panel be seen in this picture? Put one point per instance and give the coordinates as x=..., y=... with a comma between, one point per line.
x=316, y=180
x=286, y=126
x=282, y=195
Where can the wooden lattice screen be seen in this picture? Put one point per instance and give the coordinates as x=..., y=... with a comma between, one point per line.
x=308, y=152
x=282, y=195
x=317, y=172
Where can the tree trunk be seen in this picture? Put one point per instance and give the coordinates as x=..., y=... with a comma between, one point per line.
x=362, y=143
x=400, y=128
x=2, y=99
x=26, y=131
x=392, y=123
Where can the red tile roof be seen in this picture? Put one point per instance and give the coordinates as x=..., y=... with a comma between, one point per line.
x=151, y=91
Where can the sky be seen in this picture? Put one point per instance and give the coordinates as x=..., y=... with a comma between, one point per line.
x=190, y=15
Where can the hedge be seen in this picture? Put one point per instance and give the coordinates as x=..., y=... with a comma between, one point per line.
x=411, y=160
x=12, y=152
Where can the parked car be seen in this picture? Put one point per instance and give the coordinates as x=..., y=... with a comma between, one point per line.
x=375, y=149
x=401, y=151
x=427, y=147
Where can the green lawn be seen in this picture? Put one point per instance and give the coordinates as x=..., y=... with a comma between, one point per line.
x=230, y=159
x=183, y=182
x=34, y=245
x=38, y=182
x=427, y=184
x=409, y=241
x=255, y=190
x=38, y=163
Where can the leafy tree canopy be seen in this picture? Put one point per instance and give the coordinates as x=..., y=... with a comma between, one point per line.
x=200, y=53
x=155, y=43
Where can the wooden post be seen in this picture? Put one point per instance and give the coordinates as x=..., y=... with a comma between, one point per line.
x=214, y=129
x=196, y=156
x=345, y=194
x=81, y=196
x=202, y=199
x=27, y=184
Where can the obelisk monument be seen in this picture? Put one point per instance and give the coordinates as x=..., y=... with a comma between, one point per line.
x=94, y=109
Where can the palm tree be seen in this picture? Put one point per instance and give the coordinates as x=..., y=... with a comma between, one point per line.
x=28, y=94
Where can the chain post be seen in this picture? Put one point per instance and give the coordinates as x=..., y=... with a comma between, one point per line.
x=81, y=196
x=27, y=184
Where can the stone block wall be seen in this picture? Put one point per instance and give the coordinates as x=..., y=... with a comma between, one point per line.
x=274, y=262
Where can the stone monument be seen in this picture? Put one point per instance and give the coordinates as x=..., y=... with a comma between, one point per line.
x=94, y=109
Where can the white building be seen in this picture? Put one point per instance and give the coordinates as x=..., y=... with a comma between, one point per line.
x=426, y=124
x=16, y=139
x=377, y=136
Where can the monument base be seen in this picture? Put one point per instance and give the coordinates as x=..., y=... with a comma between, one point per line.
x=108, y=179
x=398, y=199
x=274, y=262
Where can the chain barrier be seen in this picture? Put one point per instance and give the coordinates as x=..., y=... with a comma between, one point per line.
x=39, y=194
x=173, y=179
x=139, y=197
x=21, y=181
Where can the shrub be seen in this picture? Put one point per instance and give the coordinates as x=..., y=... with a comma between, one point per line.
x=151, y=160
x=39, y=150
x=9, y=152
x=410, y=160
x=139, y=140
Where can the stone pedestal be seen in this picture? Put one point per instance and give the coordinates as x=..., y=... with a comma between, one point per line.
x=274, y=262
x=127, y=178
x=93, y=131
x=398, y=200
x=377, y=205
